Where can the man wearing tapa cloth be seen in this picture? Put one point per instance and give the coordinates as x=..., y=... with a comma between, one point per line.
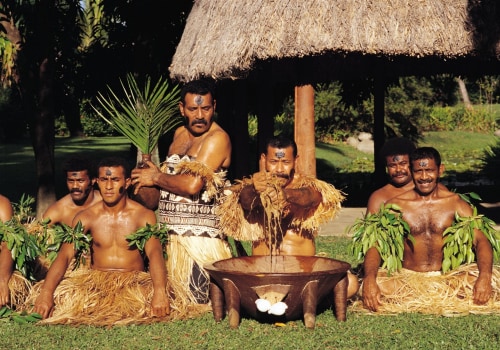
x=191, y=182
x=426, y=242
x=123, y=245
x=14, y=286
x=279, y=210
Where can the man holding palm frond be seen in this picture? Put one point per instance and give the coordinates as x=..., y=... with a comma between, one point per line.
x=191, y=182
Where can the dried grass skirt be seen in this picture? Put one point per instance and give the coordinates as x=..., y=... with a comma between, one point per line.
x=447, y=294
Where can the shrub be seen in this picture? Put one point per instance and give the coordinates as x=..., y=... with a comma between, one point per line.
x=96, y=126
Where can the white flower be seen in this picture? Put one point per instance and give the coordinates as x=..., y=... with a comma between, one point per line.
x=263, y=305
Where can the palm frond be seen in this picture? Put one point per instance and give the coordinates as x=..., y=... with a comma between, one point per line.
x=141, y=115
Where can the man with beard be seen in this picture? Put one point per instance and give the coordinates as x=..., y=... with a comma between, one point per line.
x=190, y=184
x=396, y=155
x=428, y=209
x=281, y=210
x=80, y=179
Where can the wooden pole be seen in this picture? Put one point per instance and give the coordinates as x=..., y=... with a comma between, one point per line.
x=304, y=129
x=378, y=130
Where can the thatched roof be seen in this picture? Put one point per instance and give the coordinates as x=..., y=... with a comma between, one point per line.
x=227, y=38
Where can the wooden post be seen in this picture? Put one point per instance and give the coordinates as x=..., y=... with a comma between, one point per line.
x=304, y=129
x=378, y=130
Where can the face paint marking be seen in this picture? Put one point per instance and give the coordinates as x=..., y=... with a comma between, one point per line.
x=396, y=158
x=74, y=173
x=280, y=154
x=198, y=100
x=422, y=163
x=108, y=172
x=121, y=190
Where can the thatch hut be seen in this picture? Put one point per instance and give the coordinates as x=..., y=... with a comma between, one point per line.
x=309, y=41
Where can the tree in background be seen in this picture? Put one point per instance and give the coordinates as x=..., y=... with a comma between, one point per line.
x=56, y=55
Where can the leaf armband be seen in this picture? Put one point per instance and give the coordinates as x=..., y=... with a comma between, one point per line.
x=458, y=240
x=386, y=231
x=139, y=238
x=74, y=235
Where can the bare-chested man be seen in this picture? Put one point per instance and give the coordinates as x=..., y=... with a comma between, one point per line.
x=6, y=262
x=396, y=154
x=191, y=183
x=109, y=222
x=80, y=179
x=429, y=209
x=298, y=197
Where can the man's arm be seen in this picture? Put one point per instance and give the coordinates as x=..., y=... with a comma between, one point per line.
x=6, y=269
x=45, y=301
x=303, y=198
x=373, y=204
x=484, y=253
x=6, y=262
x=249, y=198
x=213, y=153
x=371, y=290
x=160, y=305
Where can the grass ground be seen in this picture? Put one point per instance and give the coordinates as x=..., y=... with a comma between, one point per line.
x=360, y=331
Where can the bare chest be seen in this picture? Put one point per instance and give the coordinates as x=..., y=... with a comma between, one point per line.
x=184, y=145
x=428, y=219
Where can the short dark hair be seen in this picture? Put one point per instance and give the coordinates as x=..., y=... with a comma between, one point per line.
x=116, y=162
x=396, y=145
x=199, y=87
x=281, y=142
x=79, y=163
x=426, y=153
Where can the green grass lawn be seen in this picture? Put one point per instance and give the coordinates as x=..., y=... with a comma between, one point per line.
x=360, y=331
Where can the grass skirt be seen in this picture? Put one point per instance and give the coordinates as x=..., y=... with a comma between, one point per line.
x=19, y=288
x=101, y=298
x=186, y=253
x=447, y=294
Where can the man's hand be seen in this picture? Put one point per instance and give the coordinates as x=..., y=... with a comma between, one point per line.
x=144, y=176
x=160, y=305
x=4, y=294
x=482, y=290
x=260, y=181
x=372, y=298
x=44, y=304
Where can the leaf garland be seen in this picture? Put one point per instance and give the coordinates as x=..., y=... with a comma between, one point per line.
x=23, y=246
x=73, y=235
x=386, y=231
x=458, y=240
x=139, y=238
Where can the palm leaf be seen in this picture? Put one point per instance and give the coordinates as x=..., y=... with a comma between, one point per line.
x=141, y=115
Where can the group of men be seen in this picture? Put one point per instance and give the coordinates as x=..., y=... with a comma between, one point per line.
x=200, y=210
x=429, y=209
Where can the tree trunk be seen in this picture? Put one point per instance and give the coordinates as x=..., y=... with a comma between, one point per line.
x=464, y=93
x=71, y=110
x=42, y=133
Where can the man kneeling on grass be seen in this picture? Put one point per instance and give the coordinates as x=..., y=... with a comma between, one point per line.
x=116, y=289
x=428, y=239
